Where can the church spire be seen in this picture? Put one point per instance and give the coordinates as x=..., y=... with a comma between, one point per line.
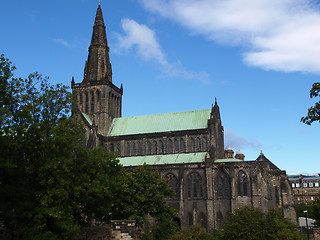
x=98, y=65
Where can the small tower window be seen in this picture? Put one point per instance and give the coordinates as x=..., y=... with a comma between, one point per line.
x=205, y=143
x=92, y=75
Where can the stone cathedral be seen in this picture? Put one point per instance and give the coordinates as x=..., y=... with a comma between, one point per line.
x=187, y=148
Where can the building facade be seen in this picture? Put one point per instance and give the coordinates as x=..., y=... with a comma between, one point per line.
x=186, y=147
x=305, y=188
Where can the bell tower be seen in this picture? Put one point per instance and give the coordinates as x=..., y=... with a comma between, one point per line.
x=97, y=97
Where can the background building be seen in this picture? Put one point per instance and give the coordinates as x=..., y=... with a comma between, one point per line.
x=305, y=188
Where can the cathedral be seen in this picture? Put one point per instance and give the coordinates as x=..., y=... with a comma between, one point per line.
x=208, y=180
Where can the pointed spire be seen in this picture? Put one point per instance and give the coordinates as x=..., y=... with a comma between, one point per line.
x=98, y=65
x=215, y=112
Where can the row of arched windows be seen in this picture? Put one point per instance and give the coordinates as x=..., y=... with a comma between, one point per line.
x=158, y=147
x=88, y=100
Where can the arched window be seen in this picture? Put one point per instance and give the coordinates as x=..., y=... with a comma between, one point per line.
x=139, y=148
x=98, y=96
x=128, y=149
x=173, y=184
x=81, y=98
x=111, y=147
x=148, y=147
x=170, y=147
x=87, y=103
x=194, y=184
x=133, y=148
x=161, y=147
x=223, y=185
x=192, y=145
x=119, y=149
x=155, y=147
x=205, y=143
x=92, y=102
x=182, y=145
x=242, y=184
x=198, y=144
x=176, y=145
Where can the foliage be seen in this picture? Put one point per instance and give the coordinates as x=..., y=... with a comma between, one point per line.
x=194, y=232
x=50, y=184
x=314, y=111
x=162, y=231
x=251, y=223
x=313, y=210
x=144, y=194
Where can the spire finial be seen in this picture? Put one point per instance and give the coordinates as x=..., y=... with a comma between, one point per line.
x=99, y=2
x=215, y=100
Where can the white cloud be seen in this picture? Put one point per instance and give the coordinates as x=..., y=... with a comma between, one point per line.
x=281, y=35
x=237, y=142
x=144, y=39
x=62, y=42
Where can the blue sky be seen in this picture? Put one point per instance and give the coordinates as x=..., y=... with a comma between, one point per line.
x=258, y=58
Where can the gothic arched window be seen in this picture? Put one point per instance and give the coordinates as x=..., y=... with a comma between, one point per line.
x=160, y=146
x=139, y=148
x=111, y=147
x=242, y=184
x=198, y=144
x=205, y=143
x=223, y=185
x=87, y=103
x=155, y=147
x=182, y=145
x=92, y=102
x=118, y=149
x=81, y=97
x=148, y=147
x=194, y=185
x=170, y=147
x=192, y=145
x=128, y=149
x=176, y=145
x=173, y=184
x=133, y=148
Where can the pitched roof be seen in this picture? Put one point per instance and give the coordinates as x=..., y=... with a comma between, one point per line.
x=163, y=159
x=166, y=122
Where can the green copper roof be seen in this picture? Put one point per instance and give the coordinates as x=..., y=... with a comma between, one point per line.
x=160, y=123
x=163, y=159
x=86, y=116
x=225, y=160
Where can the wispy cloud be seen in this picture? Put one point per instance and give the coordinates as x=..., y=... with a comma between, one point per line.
x=281, y=35
x=237, y=142
x=62, y=42
x=144, y=40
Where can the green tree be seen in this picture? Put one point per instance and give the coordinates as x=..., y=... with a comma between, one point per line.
x=194, y=232
x=144, y=194
x=314, y=111
x=251, y=223
x=50, y=184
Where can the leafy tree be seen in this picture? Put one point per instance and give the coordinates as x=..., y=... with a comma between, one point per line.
x=50, y=184
x=251, y=223
x=194, y=232
x=313, y=112
x=144, y=194
x=162, y=231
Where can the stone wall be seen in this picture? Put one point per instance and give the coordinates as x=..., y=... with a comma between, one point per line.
x=116, y=230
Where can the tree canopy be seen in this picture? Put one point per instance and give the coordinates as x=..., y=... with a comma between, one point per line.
x=50, y=184
x=144, y=194
x=314, y=111
x=250, y=223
